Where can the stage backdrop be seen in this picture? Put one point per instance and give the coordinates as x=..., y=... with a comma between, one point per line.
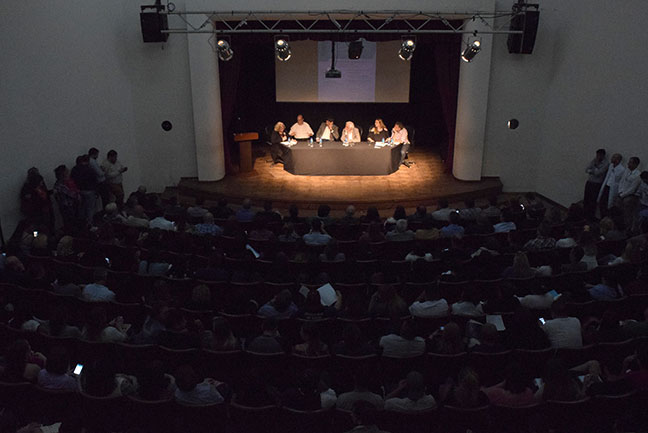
x=249, y=92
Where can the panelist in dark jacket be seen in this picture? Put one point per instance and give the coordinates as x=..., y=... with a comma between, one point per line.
x=328, y=131
x=278, y=150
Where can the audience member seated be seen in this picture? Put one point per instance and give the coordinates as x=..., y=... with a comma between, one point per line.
x=535, y=209
x=154, y=383
x=220, y=338
x=470, y=212
x=56, y=374
x=427, y=230
x=489, y=340
x=640, y=284
x=374, y=233
x=97, y=328
x=193, y=391
x=305, y=395
x=280, y=307
x=543, y=239
x=268, y=214
x=63, y=285
x=575, y=213
x=569, y=241
x=520, y=268
x=576, y=263
x=607, y=290
x=430, y=304
x=293, y=215
x=364, y=418
x=399, y=214
x=468, y=304
x=524, y=331
x=506, y=223
x=387, y=303
x=466, y=393
x=609, y=231
x=221, y=211
x=317, y=235
x=400, y=232
x=100, y=379
x=415, y=399
x=162, y=223
x=138, y=218
x=57, y=325
x=453, y=230
x=371, y=216
x=197, y=211
x=214, y=270
x=288, y=233
x=154, y=264
x=331, y=253
x=559, y=384
x=97, y=291
x=443, y=212
x=500, y=300
x=403, y=345
x=562, y=330
x=208, y=226
x=492, y=211
x=176, y=334
x=245, y=213
x=420, y=215
x=360, y=392
x=419, y=253
x=154, y=323
x=312, y=345
x=638, y=368
x=324, y=215
x=21, y=363
x=482, y=226
x=200, y=299
x=539, y=299
x=448, y=341
x=269, y=341
x=515, y=391
x=353, y=343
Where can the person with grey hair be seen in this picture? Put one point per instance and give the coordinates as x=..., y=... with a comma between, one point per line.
x=350, y=134
x=400, y=232
x=245, y=214
x=97, y=291
x=610, y=187
x=137, y=218
x=349, y=216
x=413, y=388
x=112, y=214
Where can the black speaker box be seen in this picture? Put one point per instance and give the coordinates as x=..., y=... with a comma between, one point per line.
x=528, y=23
x=152, y=25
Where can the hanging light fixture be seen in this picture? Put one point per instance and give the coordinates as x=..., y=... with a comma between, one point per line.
x=471, y=51
x=408, y=45
x=282, y=48
x=224, y=50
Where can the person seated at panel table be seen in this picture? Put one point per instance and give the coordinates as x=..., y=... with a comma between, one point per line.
x=399, y=136
x=328, y=131
x=278, y=135
x=350, y=133
x=301, y=130
x=378, y=132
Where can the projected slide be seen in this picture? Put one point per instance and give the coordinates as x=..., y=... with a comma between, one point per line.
x=377, y=76
x=358, y=82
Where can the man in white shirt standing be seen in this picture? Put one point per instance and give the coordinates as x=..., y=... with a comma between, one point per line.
x=628, y=191
x=610, y=188
x=328, y=131
x=102, y=187
x=113, y=170
x=301, y=130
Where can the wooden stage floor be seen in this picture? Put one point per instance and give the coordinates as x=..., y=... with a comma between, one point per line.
x=423, y=183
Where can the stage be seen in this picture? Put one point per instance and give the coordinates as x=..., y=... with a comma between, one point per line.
x=423, y=183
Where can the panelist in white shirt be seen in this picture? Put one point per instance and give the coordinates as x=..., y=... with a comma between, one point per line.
x=328, y=131
x=301, y=130
x=350, y=133
x=628, y=198
x=610, y=188
x=399, y=136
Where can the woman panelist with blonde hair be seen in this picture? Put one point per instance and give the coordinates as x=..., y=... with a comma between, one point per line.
x=378, y=132
x=277, y=150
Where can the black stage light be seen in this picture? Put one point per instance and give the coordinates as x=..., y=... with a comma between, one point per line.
x=406, y=51
x=471, y=51
x=224, y=50
x=282, y=48
x=355, y=49
x=513, y=124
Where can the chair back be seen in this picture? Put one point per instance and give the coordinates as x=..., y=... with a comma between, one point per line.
x=152, y=415
x=312, y=421
x=248, y=419
x=206, y=418
x=423, y=421
x=457, y=419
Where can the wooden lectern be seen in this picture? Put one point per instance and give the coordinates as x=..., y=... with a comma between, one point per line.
x=244, y=139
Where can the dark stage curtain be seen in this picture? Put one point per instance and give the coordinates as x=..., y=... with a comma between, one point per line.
x=248, y=94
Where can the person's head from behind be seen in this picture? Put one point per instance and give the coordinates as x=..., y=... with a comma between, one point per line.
x=451, y=335
x=270, y=326
x=600, y=155
x=58, y=360
x=559, y=308
x=443, y=203
x=307, y=381
x=313, y=302
x=201, y=294
x=99, y=377
x=432, y=292
x=408, y=329
x=401, y=225
x=415, y=385
x=488, y=335
x=221, y=329
x=316, y=225
x=399, y=213
x=112, y=156
x=454, y=218
x=544, y=230
x=363, y=413
x=310, y=332
x=186, y=378
x=151, y=380
x=323, y=211
x=293, y=211
x=283, y=300
x=176, y=321
x=521, y=261
x=516, y=380
x=208, y=218
x=372, y=214
x=633, y=163
x=247, y=204
x=350, y=211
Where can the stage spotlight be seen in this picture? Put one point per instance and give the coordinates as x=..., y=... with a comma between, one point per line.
x=355, y=49
x=282, y=49
x=471, y=51
x=513, y=124
x=408, y=45
x=224, y=50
